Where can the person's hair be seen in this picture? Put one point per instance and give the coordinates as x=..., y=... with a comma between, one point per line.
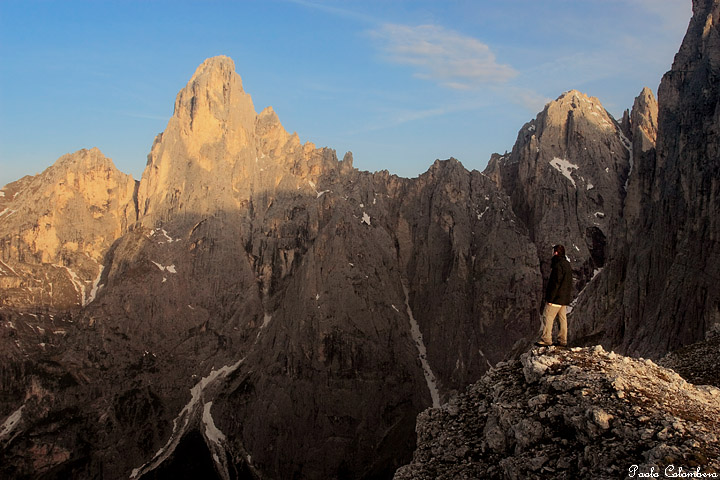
x=559, y=249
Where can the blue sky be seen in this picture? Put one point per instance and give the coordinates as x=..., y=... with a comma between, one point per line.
x=398, y=83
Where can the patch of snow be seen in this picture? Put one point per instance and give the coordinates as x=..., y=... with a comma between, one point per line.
x=374, y=201
x=366, y=218
x=96, y=286
x=212, y=433
x=79, y=285
x=590, y=186
x=596, y=272
x=394, y=308
x=320, y=194
x=362, y=205
x=10, y=423
x=181, y=423
x=317, y=296
x=599, y=214
x=6, y=211
x=565, y=167
x=266, y=322
x=312, y=184
x=169, y=268
x=628, y=145
x=576, y=247
x=422, y=352
x=480, y=215
x=5, y=265
x=486, y=359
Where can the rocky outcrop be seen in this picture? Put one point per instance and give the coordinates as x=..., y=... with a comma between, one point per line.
x=56, y=227
x=566, y=176
x=580, y=413
x=659, y=292
x=697, y=362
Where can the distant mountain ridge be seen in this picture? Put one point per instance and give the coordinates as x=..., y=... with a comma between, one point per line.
x=268, y=307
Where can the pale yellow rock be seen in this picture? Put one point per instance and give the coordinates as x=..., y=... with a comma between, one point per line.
x=216, y=151
x=67, y=216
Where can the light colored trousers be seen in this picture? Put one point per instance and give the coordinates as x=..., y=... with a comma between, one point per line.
x=551, y=311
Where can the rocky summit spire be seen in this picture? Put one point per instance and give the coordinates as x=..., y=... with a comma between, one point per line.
x=216, y=151
x=566, y=177
x=211, y=130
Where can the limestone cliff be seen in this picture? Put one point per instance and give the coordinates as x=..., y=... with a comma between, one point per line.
x=566, y=175
x=56, y=227
x=660, y=290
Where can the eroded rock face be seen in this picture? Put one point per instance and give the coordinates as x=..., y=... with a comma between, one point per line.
x=570, y=414
x=56, y=227
x=659, y=292
x=567, y=176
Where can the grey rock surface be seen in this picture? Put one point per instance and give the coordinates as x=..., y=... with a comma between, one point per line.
x=566, y=176
x=659, y=291
x=579, y=413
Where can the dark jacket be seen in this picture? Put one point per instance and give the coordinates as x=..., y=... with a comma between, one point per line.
x=559, y=287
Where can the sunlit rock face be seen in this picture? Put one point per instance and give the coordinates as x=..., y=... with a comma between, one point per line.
x=567, y=175
x=56, y=227
x=217, y=153
x=661, y=290
x=273, y=309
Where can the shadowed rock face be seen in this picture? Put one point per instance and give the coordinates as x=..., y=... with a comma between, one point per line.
x=660, y=289
x=272, y=303
x=567, y=177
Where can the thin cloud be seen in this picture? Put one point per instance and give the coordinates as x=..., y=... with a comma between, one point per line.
x=336, y=11
x=527, y=98
x=395, y=117
x=452, y=60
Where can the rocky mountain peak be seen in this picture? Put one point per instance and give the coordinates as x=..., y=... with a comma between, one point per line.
x=643, y=121
x=216, y=151
x=213, y=104
x=58, y=225
x=566, y=177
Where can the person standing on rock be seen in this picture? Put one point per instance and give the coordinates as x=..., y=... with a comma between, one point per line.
x=558, y=295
